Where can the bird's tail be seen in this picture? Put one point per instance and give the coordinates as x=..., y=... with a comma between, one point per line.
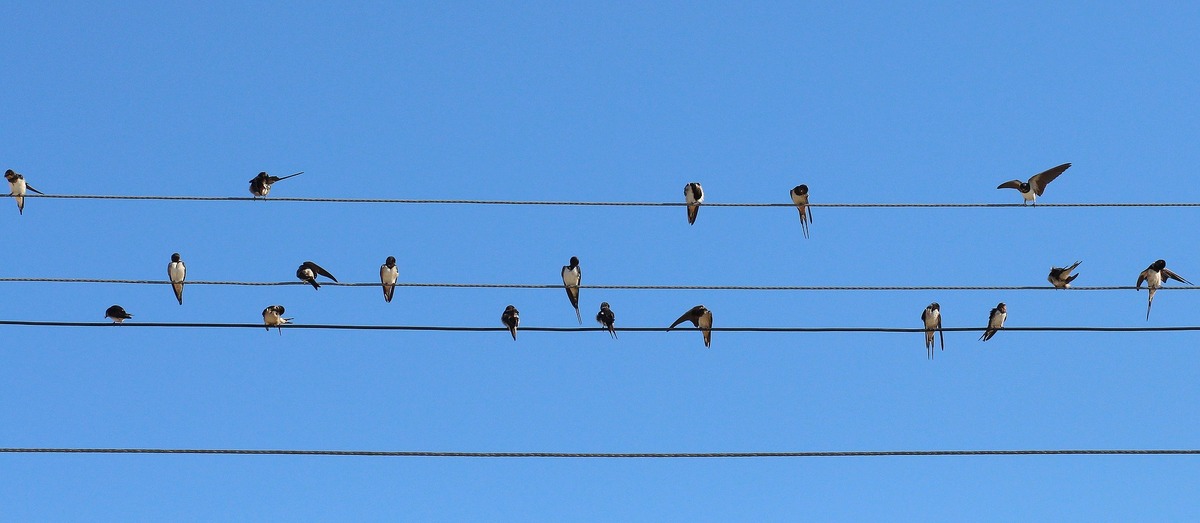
x=315, y=284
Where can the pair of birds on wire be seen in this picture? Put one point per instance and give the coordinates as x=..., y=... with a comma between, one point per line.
x=931, y=317
x=1153, y=276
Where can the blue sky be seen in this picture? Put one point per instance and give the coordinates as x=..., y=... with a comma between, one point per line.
x=598, y=102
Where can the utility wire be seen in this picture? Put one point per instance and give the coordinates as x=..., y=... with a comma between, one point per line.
x=611, y=455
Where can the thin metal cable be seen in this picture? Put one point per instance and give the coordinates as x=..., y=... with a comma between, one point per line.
x=614, y=455
x=439, y=328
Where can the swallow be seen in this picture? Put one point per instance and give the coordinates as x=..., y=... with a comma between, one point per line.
x=701, y=318
x=694, y=196
x=273, y=317
x=176, y=273
x=511, y=318
x=117, y=314
x=995, y=321
x=800, y=198
x=308, y=271
x=1155, y=275
x=17, y=187
x=932, y=317
x=1037, y=183
x=388, y=275
x=1061, y=278
x=261, y=184
x=571, y=276
x=606, y=318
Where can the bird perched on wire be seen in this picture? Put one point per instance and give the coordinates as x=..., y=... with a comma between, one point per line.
x=570, y=277
x=800, y=198
x=932, y=318
x=1155, y=276
x=511, y=318
x=176, y=272
x=694, y=196
x=701, y=318
x=1061, y=277
x=388, y=274
x=17, y=188
x=1030, y=190
x=117, y=314
x=273, y=317
x=995, y=321
x=606, y=318
x=261, y=185
x=308, y=271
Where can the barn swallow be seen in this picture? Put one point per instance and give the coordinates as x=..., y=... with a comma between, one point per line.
x=1061, y=278
x=388, y=275
x=932, y=317
x=1037, y=183
x=1155, y=276
x=261, y=184
x=17, y=186
x=176, y=273
x=511, y=318
x=308, y=272
x=273, y=317
x=694, y=196
x=800, y=198
x=606, y=318
x=995, y=321
x=701, y=318
x=117, y=314
x=571, y=276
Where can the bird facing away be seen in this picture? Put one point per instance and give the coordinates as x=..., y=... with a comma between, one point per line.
x=1061, y=278
x=932, y=318
x=308, y=271
x=1155, y=276
x=701, y=318
x=995, y=321
x=606, y=318
x=388, y=274
x=273, y=317
x=1033, y=188
x=694, y=196
x=511, y=318
x=176, y=272
x=570, y=276
x=800, y=198
x=17, y=187
x=261, y=184
x=117, y=314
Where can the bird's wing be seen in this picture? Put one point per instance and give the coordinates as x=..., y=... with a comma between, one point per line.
x=1168, y=274
x=1141, y=278
x=1040, y=180
x=319, y=270
x=687, y=316
x=30, y=187
x=1011, y=184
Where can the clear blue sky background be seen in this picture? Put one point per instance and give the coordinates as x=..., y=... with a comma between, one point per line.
x=607, y=102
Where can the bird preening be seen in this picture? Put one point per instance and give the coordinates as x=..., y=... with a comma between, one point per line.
x=260, y=186
x=694, y=196
x=701, y=318
x=1155, y=276
x=800, y=198
x=606, y=318
x=511, y=318
x=273, y=317
x=117, y=314
x=17, y=187
x=308, y=272
x=995, y=321
x=1061, y=277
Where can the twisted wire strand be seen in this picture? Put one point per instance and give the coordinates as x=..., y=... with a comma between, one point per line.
x=613, y=455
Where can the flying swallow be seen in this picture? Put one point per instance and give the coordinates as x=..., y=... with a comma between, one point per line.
x=800, y=198
x=273, y=317
x=995, y=321
x=694, y=196
x=1061, y=278
x=308, y=272
x=511, y=318
x=606, y=318
x=261, y=184
x=1033, y=188
x=1155, y=276
x=571, y=276
x=932, y=317
x=701, y=318
x=388, y=273
x=176, y=273
x=117, y=314
x=17, y=186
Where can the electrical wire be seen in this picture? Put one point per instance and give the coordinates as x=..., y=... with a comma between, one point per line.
x=614, y=455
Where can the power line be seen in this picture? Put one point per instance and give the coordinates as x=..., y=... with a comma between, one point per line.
x=615, y=455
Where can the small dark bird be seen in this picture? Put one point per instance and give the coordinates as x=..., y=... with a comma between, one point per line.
x=261, y=184
x=995, y=321
x=388, y=274
x=932, y=318
x=117, y=314
x=570, y=276
x=273, y=317
x=800, y=198
x=1061, y=278
x=701, y=318
x=1033, y=188
x=176, y=273
x=694, y=196
x=308, y=271
x=1155, y=276
x=511, y=318
x=606, y=318
x=17, y=186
